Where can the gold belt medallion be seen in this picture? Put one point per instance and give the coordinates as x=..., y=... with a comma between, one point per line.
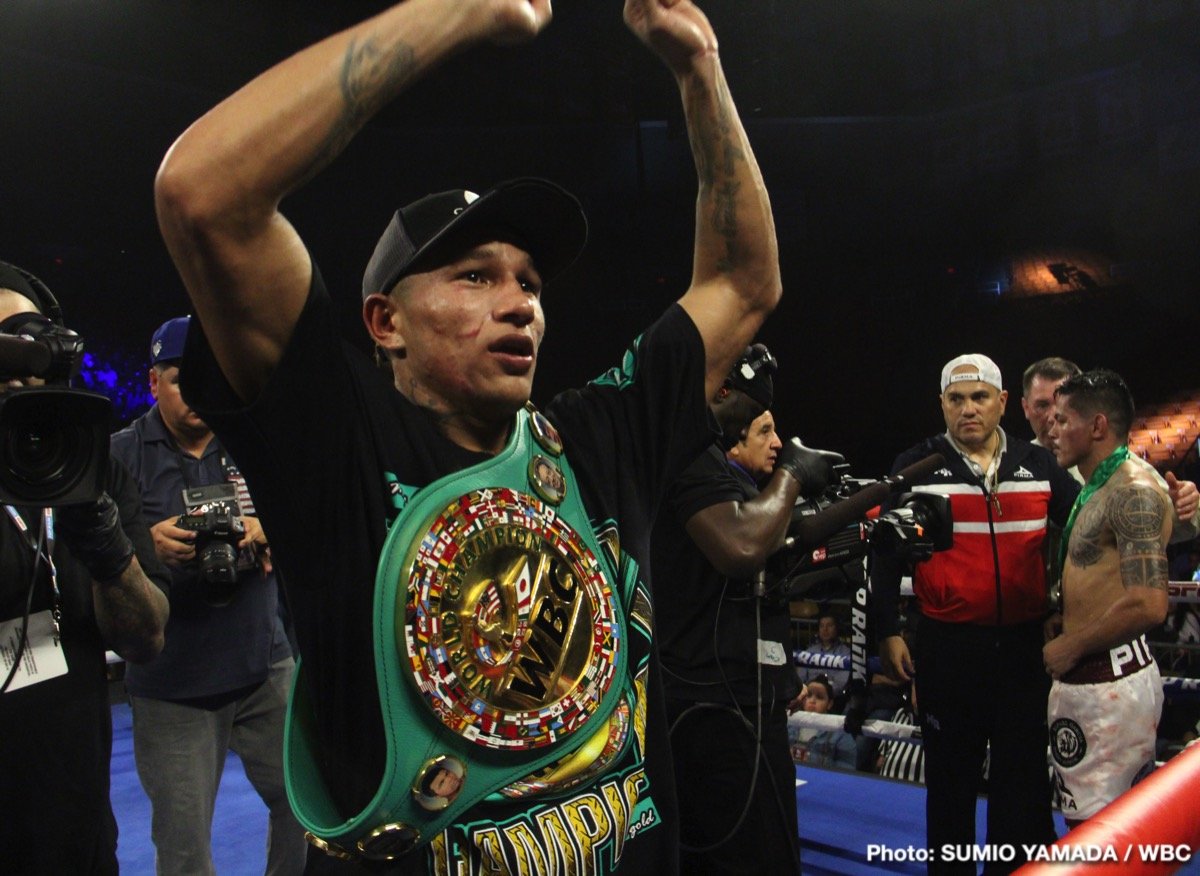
x=511, y=628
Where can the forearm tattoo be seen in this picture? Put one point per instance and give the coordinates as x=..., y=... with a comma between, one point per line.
x=1137, y=514
x=369, y=77
x=718, y=156
x=126, y=607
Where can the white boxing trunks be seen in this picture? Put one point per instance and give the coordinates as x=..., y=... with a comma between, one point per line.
x=1103, y=718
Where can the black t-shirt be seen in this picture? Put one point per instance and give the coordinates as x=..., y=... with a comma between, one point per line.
x=328, y=448
x=708, y=629
x=56, y=735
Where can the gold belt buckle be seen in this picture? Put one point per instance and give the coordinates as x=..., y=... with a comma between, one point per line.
x=385, y=843
x=331, y=849
x=388, y=842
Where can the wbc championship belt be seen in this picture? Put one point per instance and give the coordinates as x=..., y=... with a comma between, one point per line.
x=500, y=653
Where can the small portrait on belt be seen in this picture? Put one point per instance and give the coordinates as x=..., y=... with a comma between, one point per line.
x=439, y=782
x=547, y=479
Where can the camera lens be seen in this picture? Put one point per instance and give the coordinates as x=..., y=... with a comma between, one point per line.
x=38, y=452
x=218, y=567
x=53, y=445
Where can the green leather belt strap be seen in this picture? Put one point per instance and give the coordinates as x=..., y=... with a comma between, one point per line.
x=415, y=735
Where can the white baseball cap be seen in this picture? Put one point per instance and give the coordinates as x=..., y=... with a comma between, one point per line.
x=980, y=368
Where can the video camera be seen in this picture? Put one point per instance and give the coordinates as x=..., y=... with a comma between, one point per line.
x=829, y=535
x=53, y=439
x=215, y=515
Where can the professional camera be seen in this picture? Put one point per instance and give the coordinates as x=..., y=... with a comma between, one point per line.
x=830, y=534
x=53, y=439
x=215, y=515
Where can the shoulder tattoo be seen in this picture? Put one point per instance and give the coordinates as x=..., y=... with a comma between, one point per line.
x=1137, y=513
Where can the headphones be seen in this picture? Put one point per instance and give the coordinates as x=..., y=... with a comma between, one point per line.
x=756, y=363
x=755, y=359
x=42, y=296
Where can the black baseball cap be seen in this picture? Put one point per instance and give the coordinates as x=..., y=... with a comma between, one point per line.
x=547, y=220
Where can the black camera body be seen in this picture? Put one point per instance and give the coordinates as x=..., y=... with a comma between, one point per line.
x=915, y=526
x=215, y=515
x=53, y=439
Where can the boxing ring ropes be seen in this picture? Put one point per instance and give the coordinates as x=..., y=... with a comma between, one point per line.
x=1160, y=811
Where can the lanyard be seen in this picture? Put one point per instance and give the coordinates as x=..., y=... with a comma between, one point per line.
x=1099, y=478
x=42, y=551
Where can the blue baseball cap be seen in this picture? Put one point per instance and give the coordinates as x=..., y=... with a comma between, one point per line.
x=167, y=343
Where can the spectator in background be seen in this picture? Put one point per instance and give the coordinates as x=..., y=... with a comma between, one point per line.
x=826, y=653
x=1037, y=397
x=898, y=758
x=823, y=748
x=885, y=697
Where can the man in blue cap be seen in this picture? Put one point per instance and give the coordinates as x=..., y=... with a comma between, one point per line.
x=222, y=679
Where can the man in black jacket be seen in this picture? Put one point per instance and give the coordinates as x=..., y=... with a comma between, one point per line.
x=726, y=646
x=75, y=581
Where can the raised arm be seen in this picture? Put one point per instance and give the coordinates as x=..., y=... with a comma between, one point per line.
x=735, y=273
x=219, y=187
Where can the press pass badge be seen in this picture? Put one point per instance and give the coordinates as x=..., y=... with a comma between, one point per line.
x=771, y=653
x=42, y=660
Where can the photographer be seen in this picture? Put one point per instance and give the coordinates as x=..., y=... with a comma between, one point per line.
x=725, y=649
x=75, y=580
x=222, y=680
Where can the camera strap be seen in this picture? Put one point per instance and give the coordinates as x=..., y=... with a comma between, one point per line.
x=42, y=552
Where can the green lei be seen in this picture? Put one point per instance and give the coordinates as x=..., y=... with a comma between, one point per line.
x=1099, y=478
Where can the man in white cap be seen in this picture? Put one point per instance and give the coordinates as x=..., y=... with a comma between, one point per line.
x=978, y=652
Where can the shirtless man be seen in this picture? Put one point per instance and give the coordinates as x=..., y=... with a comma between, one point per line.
x=1107, y=697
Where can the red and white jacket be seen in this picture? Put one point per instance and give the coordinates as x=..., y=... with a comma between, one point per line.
x=995, y=572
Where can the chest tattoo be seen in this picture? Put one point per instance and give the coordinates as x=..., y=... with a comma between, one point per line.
x=1086, y=546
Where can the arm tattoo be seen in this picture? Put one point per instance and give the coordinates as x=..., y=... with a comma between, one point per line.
x=1085, y=547
x=369, y=77
x=1136, y=514
x=718, y=155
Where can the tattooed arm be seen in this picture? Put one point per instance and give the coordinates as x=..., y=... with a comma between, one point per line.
x=1139, y=517
x=735, y=271
x=219, y=187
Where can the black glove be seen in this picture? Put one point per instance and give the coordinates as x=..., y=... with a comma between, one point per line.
x=856, y=707
x=93, y=533
x=812, y=468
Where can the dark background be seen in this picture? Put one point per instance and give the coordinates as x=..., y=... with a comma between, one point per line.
x=922, y=157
